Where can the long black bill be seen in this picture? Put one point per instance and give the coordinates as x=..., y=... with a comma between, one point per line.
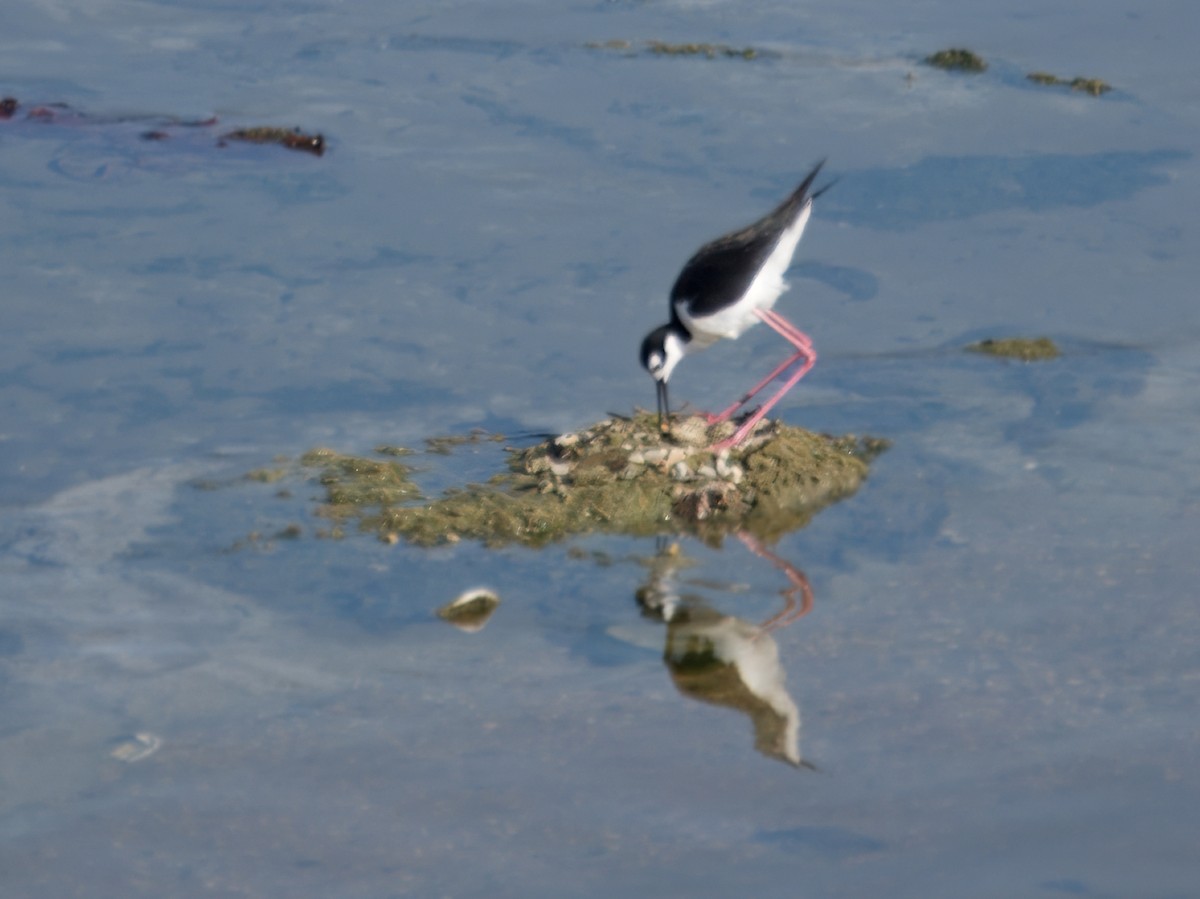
x=664, y=408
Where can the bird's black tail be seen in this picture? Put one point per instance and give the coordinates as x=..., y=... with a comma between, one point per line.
x=793, y=204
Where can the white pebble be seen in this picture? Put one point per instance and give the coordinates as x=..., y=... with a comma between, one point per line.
x=675, y=455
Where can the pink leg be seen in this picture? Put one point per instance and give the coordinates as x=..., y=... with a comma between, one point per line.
x=793, y=335
x=782, y=324
x=804, y=349
x=717, y=419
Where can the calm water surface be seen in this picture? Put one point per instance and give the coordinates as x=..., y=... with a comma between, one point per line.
x=996, y=685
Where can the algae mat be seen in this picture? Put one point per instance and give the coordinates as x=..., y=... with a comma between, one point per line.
x=619, y=476
x=1024, y=349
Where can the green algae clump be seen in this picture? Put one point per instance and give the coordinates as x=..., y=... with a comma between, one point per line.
x=957, y=59
x=1026, y=349
x=352, y=482
x=620, y=476
x=1092, y=86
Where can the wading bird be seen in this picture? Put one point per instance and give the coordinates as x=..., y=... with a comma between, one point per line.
x=728, y=285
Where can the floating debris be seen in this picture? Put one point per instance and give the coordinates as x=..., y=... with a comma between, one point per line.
x=666, y=48
x=293, y=139
x=957, y=59
x=1093, y=86
x=163, y=128
x=132, y=749
x=1026, y=349
x=620, y=475
x=470, y=610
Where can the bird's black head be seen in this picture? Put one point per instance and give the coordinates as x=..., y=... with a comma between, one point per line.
x=661, y=351
x=654, y=352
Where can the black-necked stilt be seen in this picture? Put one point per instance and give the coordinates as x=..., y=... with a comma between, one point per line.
x=730, y=284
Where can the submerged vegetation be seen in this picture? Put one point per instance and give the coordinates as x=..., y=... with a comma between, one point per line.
x=666, y=48
x=621, y=475
x=957, y=59
x=1093, y=86
x=712, y=51
x=1026, y=349
x=952, y=59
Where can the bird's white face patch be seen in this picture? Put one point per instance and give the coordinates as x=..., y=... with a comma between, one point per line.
x=674, y=350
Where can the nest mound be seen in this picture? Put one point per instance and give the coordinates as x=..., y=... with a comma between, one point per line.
x=621, y=475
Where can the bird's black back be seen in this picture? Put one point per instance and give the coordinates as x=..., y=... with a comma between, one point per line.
x=721, y=270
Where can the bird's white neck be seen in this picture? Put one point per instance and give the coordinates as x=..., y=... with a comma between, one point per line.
x=675, y=347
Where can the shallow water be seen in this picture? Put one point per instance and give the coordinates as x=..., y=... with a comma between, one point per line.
x=996, y=684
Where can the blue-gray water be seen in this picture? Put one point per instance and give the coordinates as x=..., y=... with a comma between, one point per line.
x=998, y=680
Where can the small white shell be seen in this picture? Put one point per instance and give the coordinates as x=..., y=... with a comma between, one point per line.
x=140, y=746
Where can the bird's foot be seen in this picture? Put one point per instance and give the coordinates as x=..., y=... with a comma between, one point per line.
x=728, y=413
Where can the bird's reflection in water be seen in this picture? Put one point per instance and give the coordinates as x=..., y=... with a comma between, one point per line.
x=724, y=660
